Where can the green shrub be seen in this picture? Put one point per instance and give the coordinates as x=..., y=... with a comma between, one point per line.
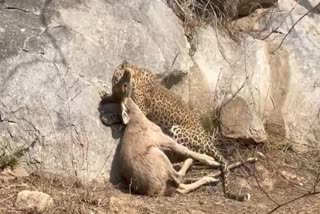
x=9, y=157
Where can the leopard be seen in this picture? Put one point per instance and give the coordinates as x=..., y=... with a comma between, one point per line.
x=174, y=116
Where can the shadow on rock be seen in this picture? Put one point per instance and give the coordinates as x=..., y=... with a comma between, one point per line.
x=110, y=115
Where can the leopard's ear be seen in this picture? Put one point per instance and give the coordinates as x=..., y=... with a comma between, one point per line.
x=126, y=75
x=125, y=83
x=124, y=64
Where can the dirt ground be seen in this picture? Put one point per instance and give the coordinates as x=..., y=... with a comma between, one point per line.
x=278, y=177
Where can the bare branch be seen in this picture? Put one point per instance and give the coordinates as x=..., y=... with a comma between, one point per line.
x=235, y=94
x=316, y=183
x=235, y=165
x=293, y=200
x=230, y=167
x=292, y=27
x=276, y=29
x=262, y=189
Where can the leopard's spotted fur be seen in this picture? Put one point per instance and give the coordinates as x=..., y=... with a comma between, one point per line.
x=172, y=114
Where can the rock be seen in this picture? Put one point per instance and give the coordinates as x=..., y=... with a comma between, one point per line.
x=288, y=175
x=276, y=125
x=243, y=183
x=19, y=172
x=5, y=175
x=57, y=55
x=221, y=63
x=246, y=7
x=194, y=90
x=268, y=184
x=295, y=78
x=281, y=88
x=237, y=121
x=33, y=200
x=293, y=177
x=265, y=178
x=11, y=174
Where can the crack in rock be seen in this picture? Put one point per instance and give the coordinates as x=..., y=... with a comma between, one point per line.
x=6, y=120
x=15, y=8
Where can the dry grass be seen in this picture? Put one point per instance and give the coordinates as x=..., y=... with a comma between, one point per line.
x=210, y=114
x=195, y=14
x=198, y=13
x=69, y=195
x=204, y=11
x=9, y=157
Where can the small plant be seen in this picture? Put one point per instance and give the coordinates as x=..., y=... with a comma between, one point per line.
x=10, y=157
x=279, y=143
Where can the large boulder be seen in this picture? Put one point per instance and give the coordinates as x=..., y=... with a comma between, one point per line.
x=225, y=69
x=294, y=95
x=237, y=121
x=33, y=201
x=280, y=85
x=56, y=55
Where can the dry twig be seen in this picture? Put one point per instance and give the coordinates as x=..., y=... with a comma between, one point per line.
x=230, y=167
x=292, y=27
x=293, y=200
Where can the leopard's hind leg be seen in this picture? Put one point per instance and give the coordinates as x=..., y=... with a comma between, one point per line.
x=198, y=140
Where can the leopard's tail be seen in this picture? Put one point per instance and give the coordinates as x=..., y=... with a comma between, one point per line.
x=212, y=151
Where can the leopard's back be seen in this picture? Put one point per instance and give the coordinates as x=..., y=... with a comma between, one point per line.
x=167, y=109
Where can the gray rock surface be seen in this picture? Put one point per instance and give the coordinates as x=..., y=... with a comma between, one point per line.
x=220, y=70
x=239, y=122
x=295, y=77
x=56, y=55
x=281, y=86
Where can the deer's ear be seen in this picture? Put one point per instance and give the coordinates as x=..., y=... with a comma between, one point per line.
x=125, y=118
x=125, y=113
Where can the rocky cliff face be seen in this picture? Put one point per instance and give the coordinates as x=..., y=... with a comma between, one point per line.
x=276, y=73
x=56, y=55
x=54, y=58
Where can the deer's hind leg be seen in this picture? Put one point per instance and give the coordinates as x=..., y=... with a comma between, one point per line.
x=186, y=188
x=185, y=166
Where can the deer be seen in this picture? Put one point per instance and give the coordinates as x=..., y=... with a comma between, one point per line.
x=143, y=163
